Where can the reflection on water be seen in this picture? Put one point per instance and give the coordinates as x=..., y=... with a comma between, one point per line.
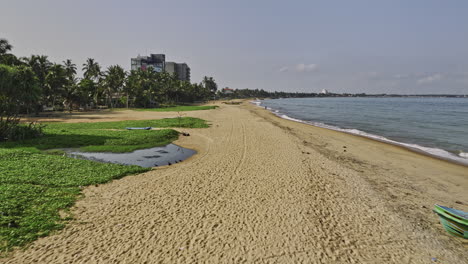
x=152, y=157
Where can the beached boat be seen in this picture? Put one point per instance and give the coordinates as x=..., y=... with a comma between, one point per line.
x=454, y=221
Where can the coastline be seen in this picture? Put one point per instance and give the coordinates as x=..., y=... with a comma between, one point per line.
x=265, y=189
x=427, y=151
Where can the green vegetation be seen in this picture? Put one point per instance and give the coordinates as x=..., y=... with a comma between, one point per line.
x=185, y=122
x=36, y=181
x=18, y=88
x=108, y=136
x=34, y=187
x=98, y=140
x=57, y=86
x=179, y=108
x=256, y=93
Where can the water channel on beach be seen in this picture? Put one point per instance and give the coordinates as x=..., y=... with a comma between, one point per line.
x=152, y=157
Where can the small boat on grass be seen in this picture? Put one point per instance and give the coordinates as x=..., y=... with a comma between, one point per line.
x=454, y=221
x=138, y=128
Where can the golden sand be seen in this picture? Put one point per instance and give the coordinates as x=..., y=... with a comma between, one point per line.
x=265, y=190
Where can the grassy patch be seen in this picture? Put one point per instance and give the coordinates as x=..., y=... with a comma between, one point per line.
x=37, y=182
x=185, y=122
x=34, y=187
x=23, y=167
x=179, y=108
x=97, y=140
x=108, y=136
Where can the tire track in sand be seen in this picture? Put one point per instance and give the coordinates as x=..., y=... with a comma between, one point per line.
x=244, y=149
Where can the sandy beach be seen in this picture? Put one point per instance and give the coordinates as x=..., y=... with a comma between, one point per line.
x=264, y=190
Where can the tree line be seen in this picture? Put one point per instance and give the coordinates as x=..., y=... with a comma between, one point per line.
x=32, y=84
x=256, y=93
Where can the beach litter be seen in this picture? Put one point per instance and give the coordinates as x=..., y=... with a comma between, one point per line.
x=454, y=221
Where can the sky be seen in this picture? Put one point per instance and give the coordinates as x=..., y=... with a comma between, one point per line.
x=348, y=46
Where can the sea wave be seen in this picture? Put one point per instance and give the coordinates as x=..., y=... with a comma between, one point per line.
x=256, y=102
x=462, y=156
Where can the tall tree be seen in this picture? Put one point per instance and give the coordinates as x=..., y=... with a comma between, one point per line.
x=5, y=57
x=18, y=89
x=5, y=46
x=56, y=80
x=210, y=84
x=70, y=68
x=40, y=65
x=114, y=81
x=85, y=92
x=132, y=85
x=92, y=71
x=70, y=90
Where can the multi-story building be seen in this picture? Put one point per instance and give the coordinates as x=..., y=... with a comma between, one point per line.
x=181, y=70
x=156, y=61
x=159, y=64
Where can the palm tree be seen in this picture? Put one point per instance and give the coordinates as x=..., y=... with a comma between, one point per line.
x=5, y=46
x=91, y=69
x=210, y=84
x=132, y=85
x=40, y=66
x=70, y=68
x=71, y=93
x=114, y=81
x=5, y=57
x=56, y=81
x=70, y=90
x=85, y=92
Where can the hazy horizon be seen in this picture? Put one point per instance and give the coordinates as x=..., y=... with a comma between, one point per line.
x=400, y=47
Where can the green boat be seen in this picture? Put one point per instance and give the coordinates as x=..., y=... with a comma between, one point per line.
x=454, y=221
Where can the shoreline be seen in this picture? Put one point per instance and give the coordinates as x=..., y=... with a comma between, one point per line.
x=451, y=157
x=264, y=188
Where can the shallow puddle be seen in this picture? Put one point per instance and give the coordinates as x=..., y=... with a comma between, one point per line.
x=152, y=157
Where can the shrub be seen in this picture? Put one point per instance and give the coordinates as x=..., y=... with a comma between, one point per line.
x=12, y=130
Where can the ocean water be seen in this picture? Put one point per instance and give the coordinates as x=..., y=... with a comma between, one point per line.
x=437, y=126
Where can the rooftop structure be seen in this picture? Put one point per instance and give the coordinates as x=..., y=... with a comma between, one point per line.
x=158, y=63
x=227, y=90
x=155, y=61
x=180, y=70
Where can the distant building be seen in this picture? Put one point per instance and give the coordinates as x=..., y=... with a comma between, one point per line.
x=156, y=61
x=181, y=70
x=227, y=90
x=159, y=64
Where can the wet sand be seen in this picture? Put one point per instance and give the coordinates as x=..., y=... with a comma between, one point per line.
x=265, y=190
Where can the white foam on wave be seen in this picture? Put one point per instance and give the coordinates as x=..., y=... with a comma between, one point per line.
x=256, y=102
x=259, y=103
x=462, y=157
x=291, y=118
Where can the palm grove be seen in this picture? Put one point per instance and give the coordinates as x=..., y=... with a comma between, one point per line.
x=31, y=84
